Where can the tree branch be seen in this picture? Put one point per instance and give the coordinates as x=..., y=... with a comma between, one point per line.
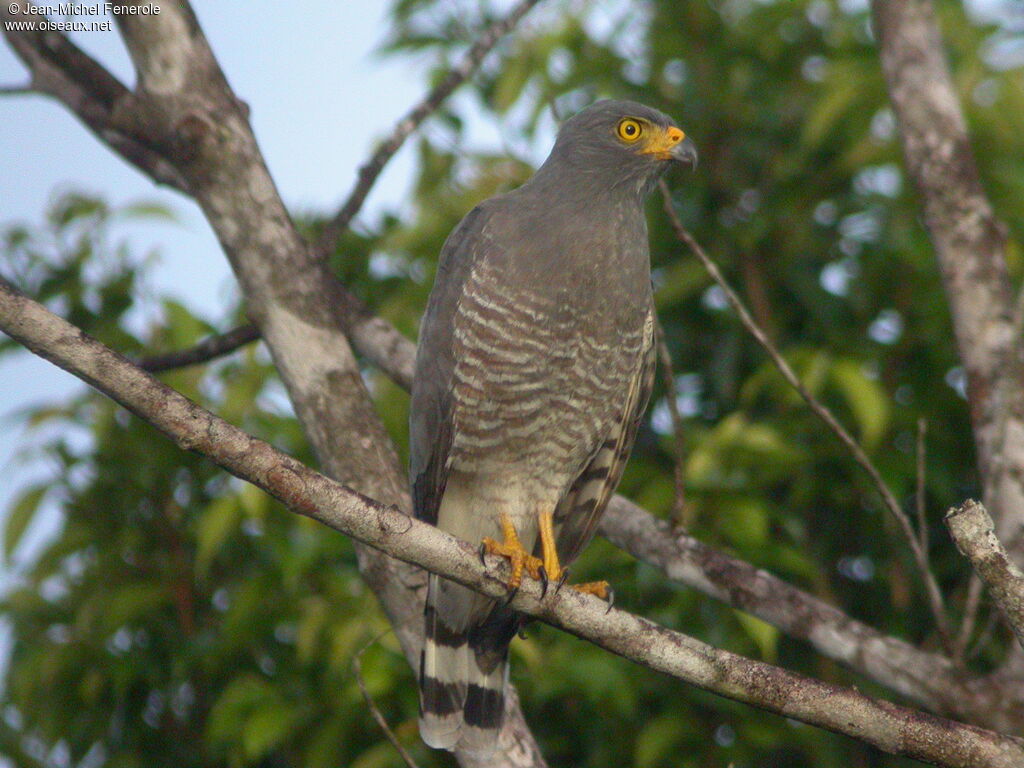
x=373, y=337
x=357, y=671
x=929, y=679
x=972, y=530
x=369, y=172
x=932, y=591
x=206, y=350
x=970, y=244
x=17, y=90
x=60, y=69
x=680, y=509
x=844, y=710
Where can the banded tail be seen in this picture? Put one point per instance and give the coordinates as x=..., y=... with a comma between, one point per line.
x=463, y=668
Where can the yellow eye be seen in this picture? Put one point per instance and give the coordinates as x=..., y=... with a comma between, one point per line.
x=629, y=130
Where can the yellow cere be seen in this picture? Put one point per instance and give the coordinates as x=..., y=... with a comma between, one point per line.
x=660, y=144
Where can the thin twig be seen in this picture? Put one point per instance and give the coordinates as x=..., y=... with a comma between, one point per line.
x=922, y=518
x=971, y=604
x=972, y=530
x=680, y=509
x=369, y=172
x=204, y=351
x=985, y=635
x=357, y=670
x=16, y=90
x=888, y=497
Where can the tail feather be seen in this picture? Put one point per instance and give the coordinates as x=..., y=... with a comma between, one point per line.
x=463, y=673
x=482, y=713
x=442, y=678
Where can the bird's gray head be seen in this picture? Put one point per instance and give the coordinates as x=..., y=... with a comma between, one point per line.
x=621, y=143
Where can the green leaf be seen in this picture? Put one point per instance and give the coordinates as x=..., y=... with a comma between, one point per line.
x=380, y=755
x=245, y=693
x=220, y=518
x=19, y=517
x=746, y=521
x=184, y=327
x=254, y=501
x=657, y=741
x=313, y=618
x=74, y=206
x=131, y=603
x=736, y=450
x=765, y=635
x=268, y=727
x=323, y=747
x=867, y=400
x=147, y=210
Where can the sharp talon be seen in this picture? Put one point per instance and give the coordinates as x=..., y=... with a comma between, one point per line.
x=543, y=573
x=483, y=554
x=521, y=632
x=512, y=595
x=611, y=600
x=562, y=579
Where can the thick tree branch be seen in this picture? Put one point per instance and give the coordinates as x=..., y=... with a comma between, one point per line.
x=972, y=530
x=889, y=727
x=369, y=172
x=932, y=591
x=929, y=679
x=60, y=69
x=970, y=244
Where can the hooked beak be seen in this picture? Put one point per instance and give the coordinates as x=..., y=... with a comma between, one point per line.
x=685, y=152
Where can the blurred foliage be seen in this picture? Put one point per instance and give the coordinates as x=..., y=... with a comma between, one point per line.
x=181, y=618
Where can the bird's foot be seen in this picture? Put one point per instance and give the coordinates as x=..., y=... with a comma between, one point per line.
x=599, y=588
x=512, y=549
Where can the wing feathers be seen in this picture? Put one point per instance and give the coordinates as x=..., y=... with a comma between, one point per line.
x=580, y=511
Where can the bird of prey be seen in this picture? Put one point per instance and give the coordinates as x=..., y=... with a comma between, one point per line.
x=534, y=366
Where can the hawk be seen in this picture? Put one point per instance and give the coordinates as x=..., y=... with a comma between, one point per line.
x=534, y=366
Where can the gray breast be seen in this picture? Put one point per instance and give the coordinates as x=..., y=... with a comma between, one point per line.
x=540, y=375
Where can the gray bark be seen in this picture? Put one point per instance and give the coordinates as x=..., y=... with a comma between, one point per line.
x=970, y=245
x=972, y=530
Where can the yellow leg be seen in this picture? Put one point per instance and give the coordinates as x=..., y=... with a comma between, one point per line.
x=553, y=568
x=547, y=546
x=511, y=548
